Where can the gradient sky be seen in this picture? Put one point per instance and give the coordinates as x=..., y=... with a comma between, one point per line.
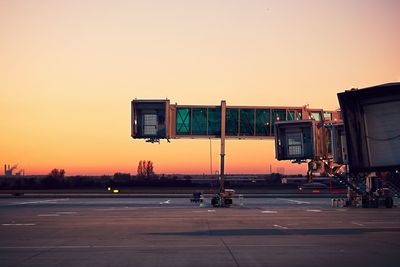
x=69, y=69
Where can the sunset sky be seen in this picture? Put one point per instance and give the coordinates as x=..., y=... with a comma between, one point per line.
x=69, y=69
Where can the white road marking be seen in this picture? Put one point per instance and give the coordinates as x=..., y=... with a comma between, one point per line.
x=165, y=202
x=203, y=211
x=57, y=214
x=279, y=226
x=359, y=224
x=269, y=211
x=116, y=208
x=66, y=212
x=18, y=224
x=314, y=210
x=295, y=201
x=39, y=201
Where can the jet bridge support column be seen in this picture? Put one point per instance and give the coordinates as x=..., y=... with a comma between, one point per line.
x=222, y=170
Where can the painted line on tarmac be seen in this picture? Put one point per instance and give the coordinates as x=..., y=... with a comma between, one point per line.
x=280, y=227
x=295, y=201
x=51, y=201
x=116, y=209
x=59, y=213
x=66, y=212
x=314, y=210
x=18, y=224
x=269, y=211
x=203, y=211
x=356, y=223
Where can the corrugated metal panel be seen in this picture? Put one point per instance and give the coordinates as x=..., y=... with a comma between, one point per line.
x=382, y=123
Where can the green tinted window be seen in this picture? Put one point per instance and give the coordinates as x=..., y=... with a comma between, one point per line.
x=328, y=116
x=247, y=122
x=231, y=122
x=299, y=115
x=278, y=115
x=214, y=121
x=316, y=116
x=291, y=115
x=199, y=121
x=183, y=121
x=263, y=122
x=294, y=115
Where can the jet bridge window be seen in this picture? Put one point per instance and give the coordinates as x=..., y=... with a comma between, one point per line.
x=183, y=121
x=263, y=122
x=247, y=122
x=316, y=116
x=294, y=115
x=232, y=117
x=294, y=144
x=199, y=121
x=150, y=124
x=291, y=115
x=328, y=116
x=278, y=115
x=214, y=121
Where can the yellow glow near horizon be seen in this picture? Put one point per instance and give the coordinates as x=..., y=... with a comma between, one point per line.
x=69, y=70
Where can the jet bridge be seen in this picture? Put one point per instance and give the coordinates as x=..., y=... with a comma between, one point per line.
x=154, y=120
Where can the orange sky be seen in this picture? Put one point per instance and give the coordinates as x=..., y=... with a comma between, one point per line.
x=69, y=69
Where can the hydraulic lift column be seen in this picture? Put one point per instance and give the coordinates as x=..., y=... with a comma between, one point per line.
x=222, y=171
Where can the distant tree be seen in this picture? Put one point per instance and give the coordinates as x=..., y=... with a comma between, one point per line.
x=149, y=169
x=56, y=173
x=140, y=169
x=145, y=169
x=55, y=179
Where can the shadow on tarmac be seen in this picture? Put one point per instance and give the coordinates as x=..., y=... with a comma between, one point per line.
x=272, y=232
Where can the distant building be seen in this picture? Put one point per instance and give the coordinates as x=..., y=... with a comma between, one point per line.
x=8, y=171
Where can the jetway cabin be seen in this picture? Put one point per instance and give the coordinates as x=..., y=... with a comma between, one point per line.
x=299, y=140
x=372, y=124
x=150, y=119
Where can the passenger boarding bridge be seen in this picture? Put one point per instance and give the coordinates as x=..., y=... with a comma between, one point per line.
x=366, y=140
x=158, y=119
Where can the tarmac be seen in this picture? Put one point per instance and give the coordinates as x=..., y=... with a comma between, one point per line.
x=162, y=231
